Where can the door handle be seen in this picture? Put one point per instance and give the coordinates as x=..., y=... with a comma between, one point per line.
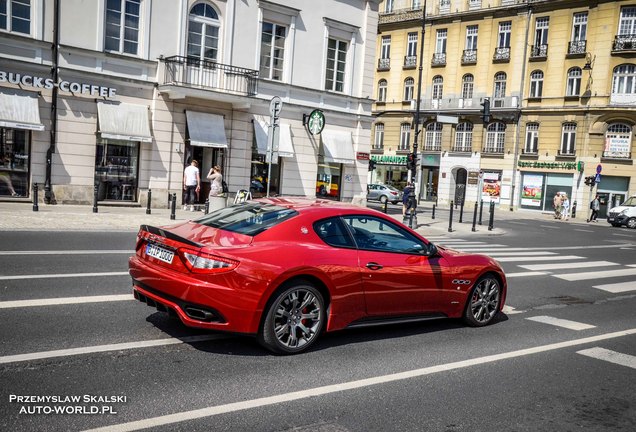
x=374, y=266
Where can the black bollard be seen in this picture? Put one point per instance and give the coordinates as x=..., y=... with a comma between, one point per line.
x=149, y=198
x=95, y=199
x=173, y=207
x=433, y=213
x=35, y=197
x=386, y=204
x=474, y=218
x=450, y=219
x=492, y=216
x=207, y=206
x=574, y=210
x=461, y=212
x=169, y=199
x=481, y=211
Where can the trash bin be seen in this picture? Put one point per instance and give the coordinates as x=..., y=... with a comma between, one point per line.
x=217, y=202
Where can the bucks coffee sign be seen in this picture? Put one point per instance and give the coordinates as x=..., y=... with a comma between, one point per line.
x=37, y=82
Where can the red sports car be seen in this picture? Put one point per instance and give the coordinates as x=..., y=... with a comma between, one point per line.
x=286, y=270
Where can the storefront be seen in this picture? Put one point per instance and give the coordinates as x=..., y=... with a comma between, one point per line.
x=262, y=172
x=390, y=170
x=429, y=176
x=539, y=188
x=336, y=153
x=612, y=191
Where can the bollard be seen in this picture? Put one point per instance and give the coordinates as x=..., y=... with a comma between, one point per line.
x=481, y=211
x=386, y=204
x=169, y=199
x=207, y=206
x=461, y=212
x=450, y=219
x=35, y=197
x=474, y=218
x=95, y=199
x=492, y=216
x=433, y=213
x=149, y=200
x=173, y=207
x=574, y=210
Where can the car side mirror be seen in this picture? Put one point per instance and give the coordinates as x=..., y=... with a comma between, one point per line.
x=432, y=250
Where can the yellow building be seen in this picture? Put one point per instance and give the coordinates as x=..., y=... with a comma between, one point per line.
x=560, y=81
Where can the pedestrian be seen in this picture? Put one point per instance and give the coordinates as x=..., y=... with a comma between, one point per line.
x=565, y=208
x=556, y=203
x=595, y=206
x=216, y=183
x=191, y=184
x=406, y=201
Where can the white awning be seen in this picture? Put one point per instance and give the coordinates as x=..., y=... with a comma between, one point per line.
x=206, y=130
x=285, y=146
x=338, y=147
x=123, y=121
x=19, y=110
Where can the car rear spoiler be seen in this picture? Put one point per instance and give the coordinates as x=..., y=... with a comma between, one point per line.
x=169, y=235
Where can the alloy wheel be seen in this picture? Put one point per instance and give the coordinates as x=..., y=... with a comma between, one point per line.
x=484, y=301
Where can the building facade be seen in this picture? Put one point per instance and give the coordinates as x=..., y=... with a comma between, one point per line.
x=115, y=97
x=560, y=81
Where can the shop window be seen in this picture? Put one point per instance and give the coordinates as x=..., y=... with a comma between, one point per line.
x=328, y=179
x=260, y=174
x=122, y=26
x=15, y=151
x=116, y=170
x=618, y=141
x=15, y=16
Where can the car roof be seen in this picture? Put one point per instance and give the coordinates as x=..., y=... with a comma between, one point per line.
x=310, y=205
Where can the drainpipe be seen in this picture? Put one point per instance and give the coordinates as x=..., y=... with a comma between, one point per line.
x=55, y=72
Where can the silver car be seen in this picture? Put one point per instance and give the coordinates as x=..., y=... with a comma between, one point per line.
x=384, y=193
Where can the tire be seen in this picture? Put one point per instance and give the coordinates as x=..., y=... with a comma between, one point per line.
x=615, y=225
x=631, y=223
x=383, y=199
x=294, y=320
x=394, y=202
x=483, y=303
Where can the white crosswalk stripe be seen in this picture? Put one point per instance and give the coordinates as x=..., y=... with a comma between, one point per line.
x=618, y=287
x=573, y=265
x=610, y=356
x=596, y=274
x=572, y=325
x=539, y=258
x=520, y=253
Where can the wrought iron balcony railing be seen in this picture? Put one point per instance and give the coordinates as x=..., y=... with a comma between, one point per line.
x=206, y=74
x=539, y=52
x=384, y=64
x=493, y=149
x=469, y=57
x=625, y=42
x=577, y=47
x=462, y=148
x=410, y=61
x=502, y=54
x=432, y=147
x=439, y=59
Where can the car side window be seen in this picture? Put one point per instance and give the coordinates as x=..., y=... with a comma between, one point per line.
x=371, y=233
x=333, y=232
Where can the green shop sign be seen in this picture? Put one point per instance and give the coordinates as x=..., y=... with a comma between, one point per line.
x=548, y=165
x=400, y=160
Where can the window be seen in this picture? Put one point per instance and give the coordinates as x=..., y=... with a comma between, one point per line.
x=495, y=138
x=579, y=27
x=433, y=136
x=333, y=232
x=499, y=91
x=618, y=141
x=464, y=137
x=568, y=139
x=378, y=143
x=468, y=83
x=541, y=31
x=440, y=43
x=471, y=37
x=116, y=167
x=15, y=16
x=272, y=51
x=15, y=153
x=122, y=26
x=409, y=87
x=532, y=138
x=405, y=136
x=574, y=82
x=536, y=84
x=250, y=218
x=624, y=80
x=371, y=233
x=336, y=64
x=388, y=6
x=382, y=87
x=203, y=32
x=328, y=179
x=627, y=24
x=416, y=4
x=505, y=29
x=385, y=51
x=438, y=87
x=411, y=45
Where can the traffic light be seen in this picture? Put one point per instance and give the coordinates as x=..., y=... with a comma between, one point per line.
x=371, y=165
x=411, y=162
x=485, y=111
x=590, y=180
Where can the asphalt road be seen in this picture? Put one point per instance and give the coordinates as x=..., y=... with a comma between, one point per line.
x=562, y=357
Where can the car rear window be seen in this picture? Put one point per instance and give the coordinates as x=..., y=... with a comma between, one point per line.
x=249, y=218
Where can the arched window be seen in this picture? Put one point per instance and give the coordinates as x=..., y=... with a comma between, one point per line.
x=409, y=86
x=499, y=91
x=464, y=137
x=532, y=138
x=405, y=136
x=495, y=138
x=433, y=137
x=618, y=141
x=574, y=82
x=378, y=143
x=624, y=80
x=468, y=83
x=536, y=84
x=438, y=87
x=568, y=139
x=382, y=86
x=203, y=32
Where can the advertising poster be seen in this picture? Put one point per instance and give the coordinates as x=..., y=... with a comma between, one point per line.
x=491, y=187
x=532, y=190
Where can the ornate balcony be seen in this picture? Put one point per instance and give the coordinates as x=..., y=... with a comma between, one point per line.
x=410, y=62
x=469, y=57
x=502, y=55
x=493, y=149
x=432, y=147
x=577, y=48
x=384, y=64
x=539, y=52
x=439, y=59
x=624, y=43
x=403, y=10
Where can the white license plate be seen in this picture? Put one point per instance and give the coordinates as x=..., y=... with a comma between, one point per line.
x=159, y=253
x=610, y=219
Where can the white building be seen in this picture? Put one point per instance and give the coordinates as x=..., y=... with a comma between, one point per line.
x=121, y=95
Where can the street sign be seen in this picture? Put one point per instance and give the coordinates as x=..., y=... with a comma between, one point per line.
x=599, y=168
x=597, y=179
x=275, y=105
x=447, y=119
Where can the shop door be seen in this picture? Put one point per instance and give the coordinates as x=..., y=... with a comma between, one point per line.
x=617, y=199
x=604, y=199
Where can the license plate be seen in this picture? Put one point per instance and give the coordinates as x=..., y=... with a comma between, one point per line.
x=610, y=219
x=159, y=253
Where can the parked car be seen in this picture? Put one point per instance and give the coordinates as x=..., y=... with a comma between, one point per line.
x=624, y=214
x=288, y=270
x=384, y=193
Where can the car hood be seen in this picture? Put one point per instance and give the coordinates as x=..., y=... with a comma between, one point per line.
x=620, y=209
x=208, y=236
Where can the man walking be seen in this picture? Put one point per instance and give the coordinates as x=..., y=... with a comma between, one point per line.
x=556, y=203
x=406, y=202
x=595, y=206
x=191, y=184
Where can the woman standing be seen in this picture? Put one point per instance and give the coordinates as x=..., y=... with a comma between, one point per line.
x=565, y=213
x=216, y=184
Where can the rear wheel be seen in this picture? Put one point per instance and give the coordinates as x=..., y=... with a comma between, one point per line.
x=631, y=223
x=483, y=302
x=294, y=319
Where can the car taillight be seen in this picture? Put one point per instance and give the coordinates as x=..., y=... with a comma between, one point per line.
x=201, y=262
x=394, y=193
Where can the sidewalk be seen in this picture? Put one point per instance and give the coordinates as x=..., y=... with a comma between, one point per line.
x=21, y=217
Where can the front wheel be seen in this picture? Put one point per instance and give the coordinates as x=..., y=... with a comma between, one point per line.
x=631, y=223
x=294, y=320
x=483, y=302
x=383, y=199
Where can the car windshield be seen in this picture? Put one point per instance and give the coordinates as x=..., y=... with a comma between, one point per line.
x=631, y=202
x=248, y=218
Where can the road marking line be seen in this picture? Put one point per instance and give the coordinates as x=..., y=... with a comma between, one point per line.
x=572, y=325
x=517, y=223
x=485, y=249
x=62, y=275
x=549, y=226
x=525, y=274
x=562, y=248
x=539, y=258
x=104, y=348
x=596, y=275
x=68, y=252
x=618, y=287
x=509, y=310
x=622, y=235
x=582, y=230
x=610, y=356
x=580, y=264
x=351, y=385
x=502, y=254
x=64, y=301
